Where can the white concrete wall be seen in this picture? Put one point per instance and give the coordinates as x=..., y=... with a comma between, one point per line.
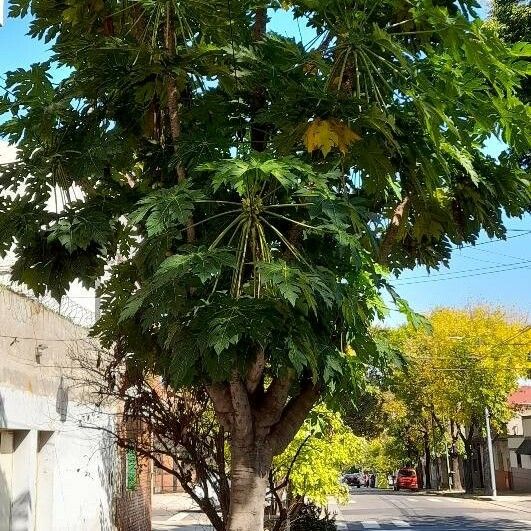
x=63, y=471
x=515, y=425
x=526, y=425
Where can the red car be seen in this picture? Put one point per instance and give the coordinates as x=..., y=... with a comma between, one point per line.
x=406, y=478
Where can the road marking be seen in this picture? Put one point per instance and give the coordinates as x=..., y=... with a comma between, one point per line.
x=400, y=523
x=370, y=524
x=413, y=499
x=434, y=500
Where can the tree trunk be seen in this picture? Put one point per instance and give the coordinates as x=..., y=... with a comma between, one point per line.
x=469, y=468
x=249, y=472
x=427, y=458
x=469, y=454
x=454, y=458
x=456, y=473
x=261, y=423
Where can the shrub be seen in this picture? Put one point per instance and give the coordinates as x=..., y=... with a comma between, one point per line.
x=311, y=518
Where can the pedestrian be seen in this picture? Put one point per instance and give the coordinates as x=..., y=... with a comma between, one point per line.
x=373, y=481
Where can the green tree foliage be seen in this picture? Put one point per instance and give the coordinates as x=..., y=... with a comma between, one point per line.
x=323, y=448
x=470, y=360
x=512, y=19
x=384, y=455
x=243, y=196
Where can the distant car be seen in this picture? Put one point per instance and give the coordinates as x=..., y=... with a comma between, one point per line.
x=353, y=479
x=406, y=478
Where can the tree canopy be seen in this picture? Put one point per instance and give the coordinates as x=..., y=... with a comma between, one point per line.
x=241, y=197
x=470, y=360
x=512, y=19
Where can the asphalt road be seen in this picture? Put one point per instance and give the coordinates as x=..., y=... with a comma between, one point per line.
x=391, y=511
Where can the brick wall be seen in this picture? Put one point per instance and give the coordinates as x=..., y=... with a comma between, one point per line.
x=521, y=479
x=163, y=481
x=133, y=507
x=133, y=503
x=503, y=480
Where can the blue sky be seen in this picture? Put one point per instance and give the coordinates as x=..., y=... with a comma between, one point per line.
x=497, y=273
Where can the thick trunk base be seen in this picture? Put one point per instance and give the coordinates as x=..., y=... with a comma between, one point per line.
x=249, y=472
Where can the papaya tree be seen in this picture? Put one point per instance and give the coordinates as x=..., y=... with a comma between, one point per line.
x=241, y=198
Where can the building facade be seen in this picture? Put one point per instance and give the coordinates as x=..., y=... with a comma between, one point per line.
x=60, y=469
x=511, y=462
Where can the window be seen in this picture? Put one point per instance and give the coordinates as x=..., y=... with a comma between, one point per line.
x=131, y=470
x=518, y=460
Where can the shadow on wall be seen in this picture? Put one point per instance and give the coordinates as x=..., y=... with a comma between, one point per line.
x=20, y=511
x=61, y=401
x=108, y=477
x=3, y=419
x=5, y=496
x=5, y=490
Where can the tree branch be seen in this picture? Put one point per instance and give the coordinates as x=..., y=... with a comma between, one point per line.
x=242, y=427
x=284, y=482
x=393, y=231
x=255, y=372
x=173, y=96
x=292, y=418
x=270, y=409
x=221, y=400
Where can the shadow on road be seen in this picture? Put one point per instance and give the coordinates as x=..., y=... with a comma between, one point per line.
x=466, y=522
x=450, y=523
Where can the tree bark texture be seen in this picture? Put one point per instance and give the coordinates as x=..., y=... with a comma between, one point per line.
x=261, y=422
x=468, y=465
x=456, y=473
x=250, y=465
x=427, y=459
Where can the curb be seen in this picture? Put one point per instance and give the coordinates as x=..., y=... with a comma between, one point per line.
x=495, y=500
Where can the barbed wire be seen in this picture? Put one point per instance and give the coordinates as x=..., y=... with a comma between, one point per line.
x=66, y=307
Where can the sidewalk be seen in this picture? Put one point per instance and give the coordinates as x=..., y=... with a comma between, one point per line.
x=509, y=500
x=177, y=512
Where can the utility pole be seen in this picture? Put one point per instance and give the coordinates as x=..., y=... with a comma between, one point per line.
x=491, y=455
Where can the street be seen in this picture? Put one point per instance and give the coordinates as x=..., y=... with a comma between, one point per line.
x=387, y=510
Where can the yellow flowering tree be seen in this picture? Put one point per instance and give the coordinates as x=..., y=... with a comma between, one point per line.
x=470, y=360
x=312, y=464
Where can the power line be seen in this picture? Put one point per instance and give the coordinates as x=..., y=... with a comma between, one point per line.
x=458, y=276
x=493, y=241
x=471, y=270
x=24, y=338
x=489, y=251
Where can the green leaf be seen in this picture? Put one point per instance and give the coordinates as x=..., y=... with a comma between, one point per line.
x=164, y=208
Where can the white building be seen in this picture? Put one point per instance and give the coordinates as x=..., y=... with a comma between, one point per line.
x=520, y=456
x=55, y=473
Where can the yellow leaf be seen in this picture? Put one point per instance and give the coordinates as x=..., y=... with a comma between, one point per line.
x=349, y=351
x=327, y=134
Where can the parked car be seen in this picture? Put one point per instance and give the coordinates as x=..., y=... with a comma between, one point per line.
x=406, y=478
x=353, y=479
